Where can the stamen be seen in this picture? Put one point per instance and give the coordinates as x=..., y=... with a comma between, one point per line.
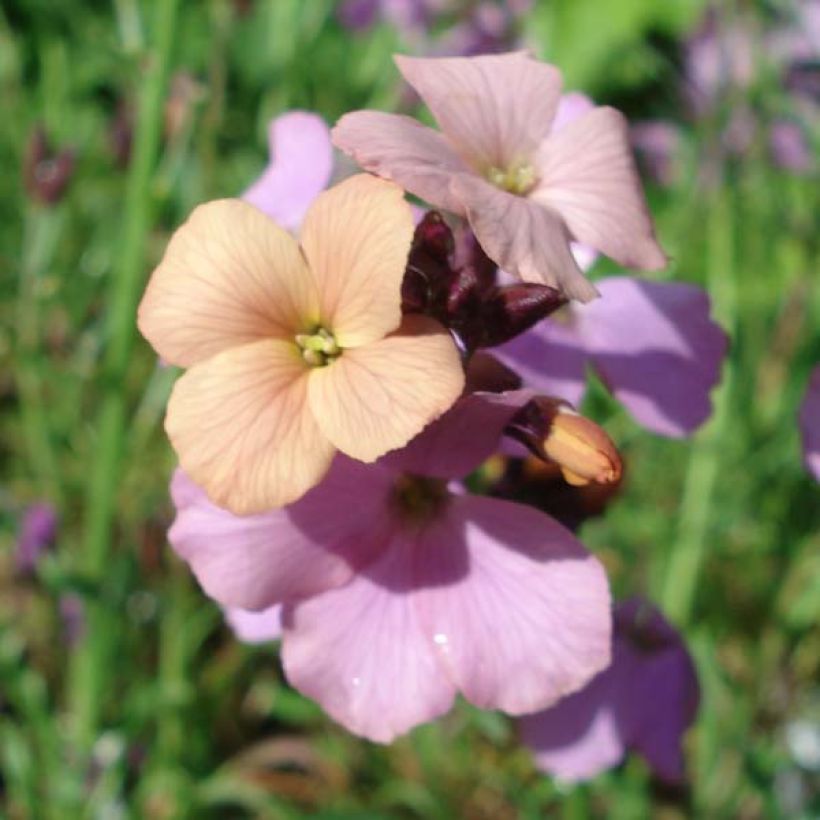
x=319, y=348
x=417, y=499
x=517, y=179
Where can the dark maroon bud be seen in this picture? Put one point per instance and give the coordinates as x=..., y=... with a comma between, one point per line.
x=511, y=309
x=429, y=273
x=469, y=254
x=486, y=374
x=415, y=291
x=434, y=235
x=46, y=174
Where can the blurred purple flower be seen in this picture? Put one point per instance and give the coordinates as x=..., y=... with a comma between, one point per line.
x=489, y=28
x=38, y=530
x=46, y=172
x=408, y=16
x=656, y=144
x=790, y=148
x=643, y=702
x=72, y=615
x=809, y=419
x=400, y=591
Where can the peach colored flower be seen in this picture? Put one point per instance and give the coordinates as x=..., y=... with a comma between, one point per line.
x=294, y=350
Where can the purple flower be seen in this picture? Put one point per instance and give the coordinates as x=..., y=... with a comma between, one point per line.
x=400, y=591
x=408, y=16
x=790, y=148
x=255, y=627
x=809, y=420
x=656, y=145
x=644, y=702
x=38, y=529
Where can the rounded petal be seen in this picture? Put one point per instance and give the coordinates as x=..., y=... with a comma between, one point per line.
x=255, y=561
x=356, y=237
x=571, y=107
x=588, y=175
x=494, y=108
x=229, y=276
x=810, y=424
x=242, y=428
x=522, y=237
x=376, y=398
x=360, y=653
x=657, y=349
x=518, y=609
x=399, y=148
x=255, y=627
x=301, y=162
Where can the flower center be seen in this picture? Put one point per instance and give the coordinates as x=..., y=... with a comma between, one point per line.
x=318, y=348
x=417, y=499
x=519, y=178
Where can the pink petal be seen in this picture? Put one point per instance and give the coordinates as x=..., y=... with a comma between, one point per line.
x=399, y=148
x=495, y=109
x=253, y=562
x=301, y=162
x=810, y=424
x=657, y=348
x=572, y=106
x=360, y=653
x=462, y=438
x=517, y=608
x=588, y=175
x=255, y=627
x=522, y=237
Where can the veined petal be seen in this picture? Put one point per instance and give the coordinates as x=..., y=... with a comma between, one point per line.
x=376, y=398
x=494, y=108
x=810, y=424
x=522, y=237
x=360, y=653
x=229, y=276
x=518, y=609
x=243, y=430
x=356, y=237
x=588, y=175
x=399, y=148
x=301, y=162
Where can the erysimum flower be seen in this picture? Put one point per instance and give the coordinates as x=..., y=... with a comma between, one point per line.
x=644, y=701
x=398, y=592
x=294, y=350
x=527, y=184
x=810, y=424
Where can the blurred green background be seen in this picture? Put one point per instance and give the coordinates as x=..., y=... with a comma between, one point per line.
x=122, y=694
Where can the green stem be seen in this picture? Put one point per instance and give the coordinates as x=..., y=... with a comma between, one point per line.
x=90, y=666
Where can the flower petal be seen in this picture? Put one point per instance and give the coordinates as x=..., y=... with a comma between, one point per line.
x=360, y=653
x=308, y=547
x=522, y=237
x=810, y=424
x=356, y=237
x=376, y=398
x=229, y=276
x=399, y=148
x=657, y=348
x=242, y=428
x=588, y=175
x=255, y=627
x=301, y=162
x=516, y=606
x=495, y=108
x=572, y=106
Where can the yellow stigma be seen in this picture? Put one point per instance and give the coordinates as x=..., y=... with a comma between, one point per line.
x=519, y=178
x=318, y=348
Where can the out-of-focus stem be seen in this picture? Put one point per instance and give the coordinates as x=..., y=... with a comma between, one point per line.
x=686, y=559
x=90, y=662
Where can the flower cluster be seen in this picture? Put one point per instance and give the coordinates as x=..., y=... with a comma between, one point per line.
x=341, y=387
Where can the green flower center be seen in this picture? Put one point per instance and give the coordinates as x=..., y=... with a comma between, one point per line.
x=318, y=348
x=417, y=499
x=519, y=178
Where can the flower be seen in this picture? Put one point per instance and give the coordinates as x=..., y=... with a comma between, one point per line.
x=38, y=530
x=294, y=351
x=810, y=424
x=301, y=163
x=255, y=627
x=653, y=344
x=526, y=186
x=398, y=591
x=644, y=701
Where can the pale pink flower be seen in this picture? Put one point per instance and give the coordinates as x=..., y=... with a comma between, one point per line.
x=526, y=187
x=810, y=424
x=255, y=627
x=644, y=701
x=398, y=592
x=294, y=350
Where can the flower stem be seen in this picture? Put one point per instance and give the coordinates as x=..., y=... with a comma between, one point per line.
x=91, y=660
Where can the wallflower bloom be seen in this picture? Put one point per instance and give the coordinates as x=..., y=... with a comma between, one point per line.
x=398, y=592
x=294, y=350
x=526, y=186
x=644, y=701
x=38, y=530
x=810, y=424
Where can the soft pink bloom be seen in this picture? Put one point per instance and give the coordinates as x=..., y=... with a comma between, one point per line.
x=294, y=351
x=652, y=343
x=399, y=592
x=526, y=187
x=810, y=424
x=644, y=701
x=300, y=166
x=255, y=627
